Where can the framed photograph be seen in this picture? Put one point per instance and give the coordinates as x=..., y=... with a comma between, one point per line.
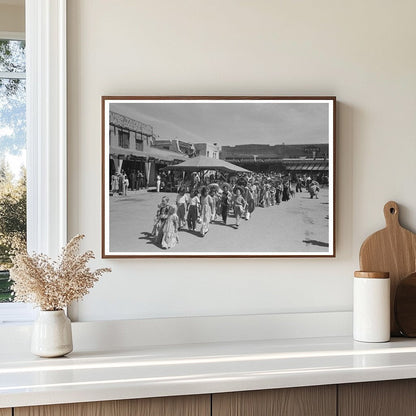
x=218, y=176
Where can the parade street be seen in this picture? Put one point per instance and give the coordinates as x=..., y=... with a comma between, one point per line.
x=298, y=225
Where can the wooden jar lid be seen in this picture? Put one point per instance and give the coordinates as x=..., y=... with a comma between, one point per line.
x=372, y=275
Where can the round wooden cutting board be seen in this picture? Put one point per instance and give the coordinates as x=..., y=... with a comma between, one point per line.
x=405, y=306
x=392, y=250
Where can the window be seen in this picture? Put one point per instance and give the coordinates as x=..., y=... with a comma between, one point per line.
x=12, y=155
x=123, y=139
x=139, y=141
x=46, y=135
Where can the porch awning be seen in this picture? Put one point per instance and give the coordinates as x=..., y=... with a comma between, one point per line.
x=200, y=163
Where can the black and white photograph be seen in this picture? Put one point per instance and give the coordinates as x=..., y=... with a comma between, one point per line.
x=218, y=176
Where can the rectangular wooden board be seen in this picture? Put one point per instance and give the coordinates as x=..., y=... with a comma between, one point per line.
x=300, y=401
x=381, y=398
x=161, y=406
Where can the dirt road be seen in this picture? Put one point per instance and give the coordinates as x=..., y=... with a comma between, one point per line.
x=298, y=225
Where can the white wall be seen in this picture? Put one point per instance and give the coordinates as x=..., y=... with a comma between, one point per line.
x=361, y=51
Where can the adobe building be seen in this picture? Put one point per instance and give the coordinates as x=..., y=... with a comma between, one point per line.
x=211, y=150
x=176, y=145
x=302, y=159
x=132, y=150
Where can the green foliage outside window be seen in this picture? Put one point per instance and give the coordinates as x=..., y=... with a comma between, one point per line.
x=12, y=223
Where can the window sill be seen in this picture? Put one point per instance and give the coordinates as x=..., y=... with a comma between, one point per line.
x=16, y=313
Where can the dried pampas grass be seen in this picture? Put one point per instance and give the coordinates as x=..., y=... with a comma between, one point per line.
x=53, y=285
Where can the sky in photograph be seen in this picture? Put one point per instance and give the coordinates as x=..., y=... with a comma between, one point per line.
x=233, y=123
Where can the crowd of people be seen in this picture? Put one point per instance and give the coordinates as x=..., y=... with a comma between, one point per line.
x=202, y=201
x=121, y=182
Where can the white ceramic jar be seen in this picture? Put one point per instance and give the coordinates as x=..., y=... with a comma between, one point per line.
x=371, y=309
x=52, y=334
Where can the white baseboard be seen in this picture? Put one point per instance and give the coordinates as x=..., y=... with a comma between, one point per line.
x=111, y=335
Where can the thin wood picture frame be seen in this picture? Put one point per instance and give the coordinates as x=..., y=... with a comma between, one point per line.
x=218, y=176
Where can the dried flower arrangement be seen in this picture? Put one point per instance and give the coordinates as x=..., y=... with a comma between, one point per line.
x=53, y=285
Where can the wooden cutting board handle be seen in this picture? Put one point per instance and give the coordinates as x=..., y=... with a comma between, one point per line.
x=393, y=250
x=391, y=214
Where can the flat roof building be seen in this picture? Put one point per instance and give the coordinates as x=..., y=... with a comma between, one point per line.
x=296, y=158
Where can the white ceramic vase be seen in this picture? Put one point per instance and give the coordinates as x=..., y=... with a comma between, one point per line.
x=52, y=334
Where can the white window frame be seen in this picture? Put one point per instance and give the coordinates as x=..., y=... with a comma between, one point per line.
x=46, y=134
x=15, y=312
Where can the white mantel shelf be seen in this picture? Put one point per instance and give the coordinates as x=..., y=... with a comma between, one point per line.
x=151, y=371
